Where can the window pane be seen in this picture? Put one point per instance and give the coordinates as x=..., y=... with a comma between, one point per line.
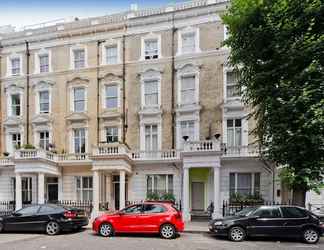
x=79, y=99
x=111, y=55
x=15, y=105
x=44, y=101
x=293, y=212
x=188, y=42
x=43, y=63
x=79, y=58
x=15, y=66
x=151, y=49
x=111, y=96
x=112, y=134
x=151, y=92
x=244, y=183
x=270, y=212
x=188, y=89
x=152, y=208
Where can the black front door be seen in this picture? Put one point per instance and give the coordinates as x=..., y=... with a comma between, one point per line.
x=116, y=192
x=52, y=190
x=266, y=221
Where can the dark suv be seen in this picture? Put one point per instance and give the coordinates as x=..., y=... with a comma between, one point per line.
x=275, y=221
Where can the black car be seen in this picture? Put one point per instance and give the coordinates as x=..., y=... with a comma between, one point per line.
x=275, y=221
x=44, y=218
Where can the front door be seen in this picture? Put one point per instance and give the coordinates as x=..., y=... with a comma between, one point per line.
x=52, y=192
x=116, y=194
x=197, y=196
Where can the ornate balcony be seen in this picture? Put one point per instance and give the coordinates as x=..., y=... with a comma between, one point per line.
x=251, y=150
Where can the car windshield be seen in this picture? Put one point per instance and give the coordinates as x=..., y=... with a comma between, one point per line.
x=245, y=211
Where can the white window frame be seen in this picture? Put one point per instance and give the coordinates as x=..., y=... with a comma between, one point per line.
x=167, y=189
x=244, y=126
x=192, y=117
x=72, y=50
x=188, y=30
x=9, y=64
x=104, y=97
x=142, y=137
x=39, y=101
x=72, y=141
x=253, y=174
x=151, y=36
x=39, y=139
x=43, y=52
x=11, y=105
x=72, y=88
x=150, y=75
x=118, y=133
x=196, y=95
x=82, y=189
x=111, y=43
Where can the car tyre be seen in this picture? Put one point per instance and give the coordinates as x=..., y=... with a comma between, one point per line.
x=106, y=230
x=311, y=236
x=236, y=234
x=52, y=228
x=168, y=231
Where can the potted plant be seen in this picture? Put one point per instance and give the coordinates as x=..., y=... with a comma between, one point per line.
x=6, y=154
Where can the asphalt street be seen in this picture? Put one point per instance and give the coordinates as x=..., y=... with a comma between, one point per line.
x=86, y=240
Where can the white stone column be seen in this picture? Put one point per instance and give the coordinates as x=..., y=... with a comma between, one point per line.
x=41, y=188
x=122, y=188
x=18, y=192
x=96, y=194
x=217, y=203
x=185, y=196
x=60, y=188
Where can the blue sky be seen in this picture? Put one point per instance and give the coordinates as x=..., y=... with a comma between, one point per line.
x=25, y=12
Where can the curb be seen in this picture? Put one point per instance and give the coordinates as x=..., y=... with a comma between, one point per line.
x=195, y=232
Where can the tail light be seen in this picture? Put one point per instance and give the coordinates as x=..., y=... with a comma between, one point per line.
x=70, y=214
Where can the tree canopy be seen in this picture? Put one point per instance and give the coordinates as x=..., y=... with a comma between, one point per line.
x=278, y=48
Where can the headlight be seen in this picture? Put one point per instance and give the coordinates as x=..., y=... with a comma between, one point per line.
x=218, y=223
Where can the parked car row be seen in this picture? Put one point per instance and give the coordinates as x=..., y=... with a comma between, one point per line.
x=165, y=219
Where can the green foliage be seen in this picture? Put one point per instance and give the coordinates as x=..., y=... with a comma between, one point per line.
x=28, y=146
x=279, y=45
x=251, y=198
x=155, y=196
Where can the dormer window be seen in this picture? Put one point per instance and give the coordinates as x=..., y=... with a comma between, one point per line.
x=79, y=58
x=43, y=63
x=15, y=66
x=151, y=50
x=188, y=42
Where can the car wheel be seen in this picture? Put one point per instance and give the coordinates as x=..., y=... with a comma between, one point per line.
x=167, y=231
x=311, y=236
x=52, y=228
x=106, y=230
x=236, y=234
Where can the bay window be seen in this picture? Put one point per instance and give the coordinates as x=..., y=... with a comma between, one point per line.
x=159, y=184
x=84, y=188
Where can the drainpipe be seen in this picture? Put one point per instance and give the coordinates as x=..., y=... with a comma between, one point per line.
x=98, y=90
x=27, y=87
x=173, y=84
x=124, y=116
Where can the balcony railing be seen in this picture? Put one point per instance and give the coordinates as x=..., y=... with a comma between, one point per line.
x=200, y=146
x=6, y=161
x=110, y=149
x=71, y=157
x=155, y=155
x=241, y=151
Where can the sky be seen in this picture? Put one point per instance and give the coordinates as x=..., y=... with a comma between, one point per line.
x=20, y=13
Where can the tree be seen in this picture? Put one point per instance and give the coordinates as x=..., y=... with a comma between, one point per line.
x=279, y=47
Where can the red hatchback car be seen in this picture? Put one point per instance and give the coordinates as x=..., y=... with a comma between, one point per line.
x=148, y=217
